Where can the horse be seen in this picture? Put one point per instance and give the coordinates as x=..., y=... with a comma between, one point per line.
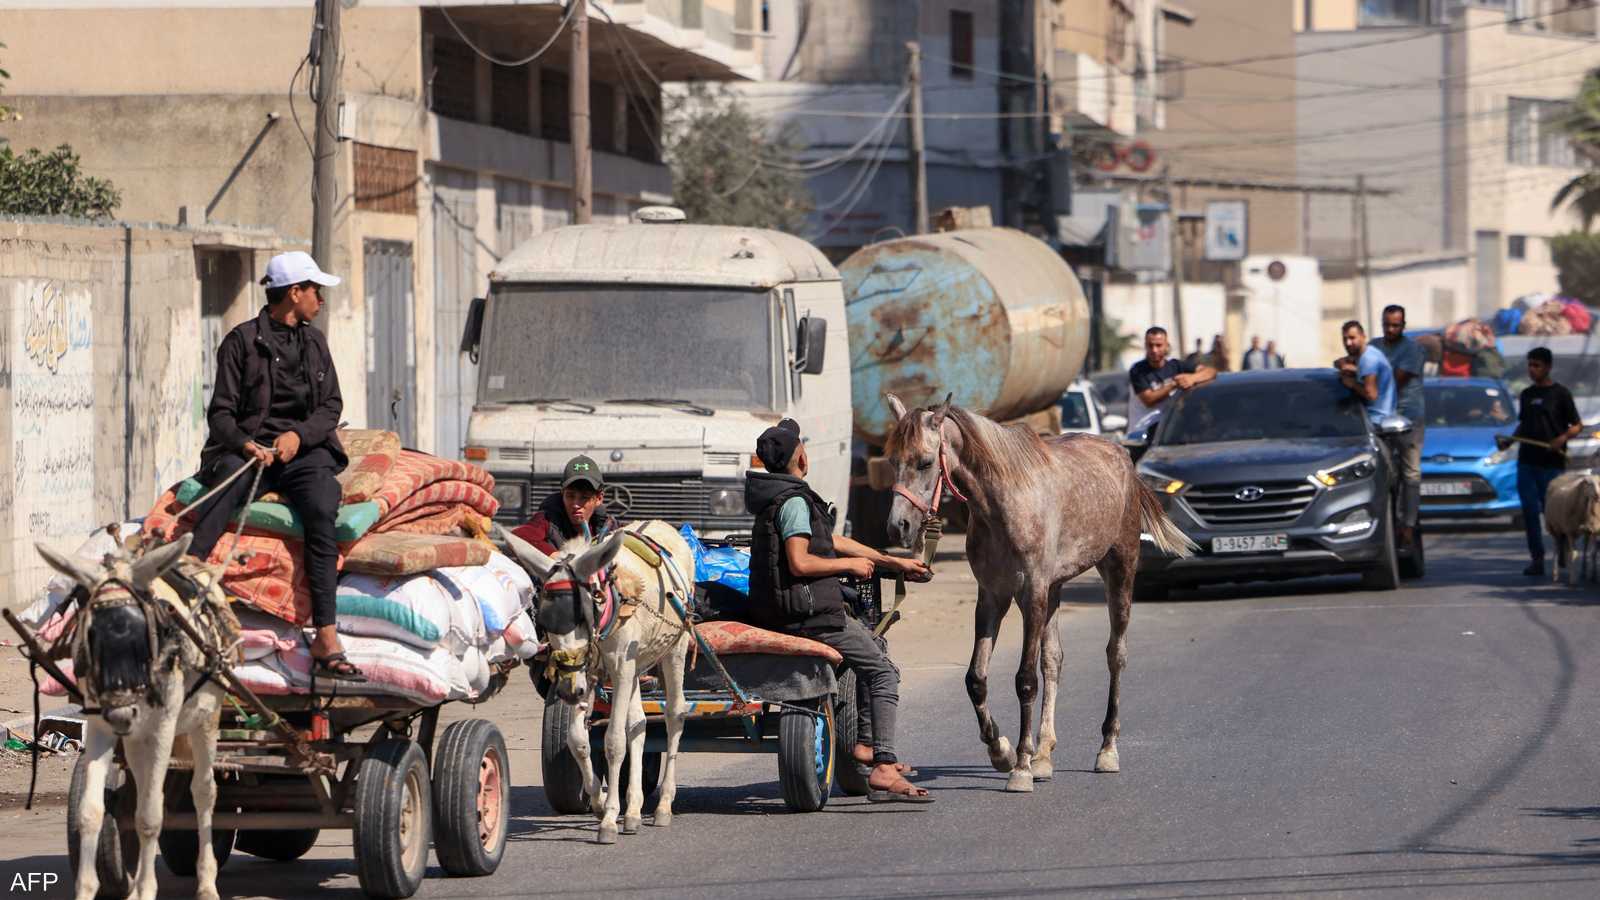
x=582, y=648
x=147, y=682
x=1042, y=512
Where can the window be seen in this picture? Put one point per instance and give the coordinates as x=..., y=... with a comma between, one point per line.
x=1516, y=246
x=1534, y=136
x=1392, y=13
x=555, y=106
x=455, y=80
x=386, y=179
x=961, y=44
x=643, y=127
x=603, y=117
x=508, y=104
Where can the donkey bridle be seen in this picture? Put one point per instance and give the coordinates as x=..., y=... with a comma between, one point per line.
x=930, y=507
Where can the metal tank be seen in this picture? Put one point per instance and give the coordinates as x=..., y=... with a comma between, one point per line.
x=990, y=314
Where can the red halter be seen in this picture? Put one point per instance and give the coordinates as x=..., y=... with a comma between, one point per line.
x=931, y=507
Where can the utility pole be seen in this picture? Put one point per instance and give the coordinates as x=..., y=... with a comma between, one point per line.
x=1366, y=255
x=324, y=168
x=919, y=166
x=582, y=174
x=1176, y=241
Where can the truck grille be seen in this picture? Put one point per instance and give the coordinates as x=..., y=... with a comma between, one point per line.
x=675, y=499
x=1278, y=503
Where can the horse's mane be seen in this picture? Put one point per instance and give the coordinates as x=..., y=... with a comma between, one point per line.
x=993, y=452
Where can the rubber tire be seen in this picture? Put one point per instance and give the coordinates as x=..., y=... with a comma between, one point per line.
x=803, y=789
x=563, y=782
x=848, y=775
x=1148, y=590
x=278, y=846
x=180, y=850
x=380, y=796
x=1414, y=565
x=456, y=763
x=1385, y=574
x=653, y=760
x=117, y=855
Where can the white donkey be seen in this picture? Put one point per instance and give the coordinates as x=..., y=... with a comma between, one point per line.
x=137, y=668
x=652, y=636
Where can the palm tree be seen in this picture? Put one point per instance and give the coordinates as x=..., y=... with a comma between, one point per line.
x=1582, y=126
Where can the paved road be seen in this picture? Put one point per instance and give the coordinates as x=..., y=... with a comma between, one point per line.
x=1437, y=741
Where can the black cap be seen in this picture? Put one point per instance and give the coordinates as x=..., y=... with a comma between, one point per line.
x=777, y=444
x=582, y=469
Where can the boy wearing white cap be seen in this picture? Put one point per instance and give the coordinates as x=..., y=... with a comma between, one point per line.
x=277, y=400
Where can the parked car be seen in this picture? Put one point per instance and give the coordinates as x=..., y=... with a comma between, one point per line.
x=1464, y=475
x=1275, y=474
x=1113, y=387
x=1082, y=411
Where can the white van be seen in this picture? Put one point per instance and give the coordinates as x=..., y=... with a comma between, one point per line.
x=661, y=350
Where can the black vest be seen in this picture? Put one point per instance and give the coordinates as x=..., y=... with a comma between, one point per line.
x=778, y=599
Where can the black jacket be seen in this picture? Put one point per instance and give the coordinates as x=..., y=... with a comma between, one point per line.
x=243, y=393
x=778, y=598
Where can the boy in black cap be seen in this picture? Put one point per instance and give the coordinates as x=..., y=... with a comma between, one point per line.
x=577, y=511
x=795, y=564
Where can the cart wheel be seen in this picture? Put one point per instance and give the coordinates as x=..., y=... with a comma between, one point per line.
x=850, y=775
x=563, y=783
x=117, y=854
x=279, y=846
x=394, y=819
x=652, y=770
x=471, y=799
x=805, y=757
x=180, y=850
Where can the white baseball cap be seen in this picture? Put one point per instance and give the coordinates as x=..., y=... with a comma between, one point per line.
x=295, y=267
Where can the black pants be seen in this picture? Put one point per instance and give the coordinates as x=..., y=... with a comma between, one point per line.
x=307, y=484
x=872, y=666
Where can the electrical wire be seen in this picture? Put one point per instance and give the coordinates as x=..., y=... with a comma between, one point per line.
x=571, y=8
x=293, y=113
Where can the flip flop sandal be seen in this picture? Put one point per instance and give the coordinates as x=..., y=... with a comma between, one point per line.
x=905, y=773
x=887, y=796
x=336, y=667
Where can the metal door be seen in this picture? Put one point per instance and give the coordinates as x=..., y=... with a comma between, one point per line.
x=455, y=283
x=391, y=339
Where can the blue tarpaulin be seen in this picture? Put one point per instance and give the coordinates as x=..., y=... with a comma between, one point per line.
x=726, y=566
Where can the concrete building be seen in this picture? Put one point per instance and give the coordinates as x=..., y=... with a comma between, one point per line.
x=199, y=113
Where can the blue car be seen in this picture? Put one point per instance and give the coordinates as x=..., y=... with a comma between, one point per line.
x=1464, y=475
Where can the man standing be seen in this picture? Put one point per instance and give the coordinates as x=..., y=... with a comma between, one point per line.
x=1274, y=358
x=1156, y=378
x=795, y=564
x=1366, y=372
x=1255, y=357
x=1548, y=416
x=577, y=510
x=1406, y=359
x=277, y=401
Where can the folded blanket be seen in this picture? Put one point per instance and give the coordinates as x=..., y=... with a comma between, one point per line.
x=413, y=471
x=397, y=553
x=440, y=495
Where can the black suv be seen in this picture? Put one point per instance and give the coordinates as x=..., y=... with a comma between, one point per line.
x=1275, y=474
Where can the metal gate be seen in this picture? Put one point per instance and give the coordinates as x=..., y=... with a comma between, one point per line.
x=391, y=339
x=455, y=283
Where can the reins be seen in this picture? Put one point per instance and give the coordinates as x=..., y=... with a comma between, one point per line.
x=930, y=507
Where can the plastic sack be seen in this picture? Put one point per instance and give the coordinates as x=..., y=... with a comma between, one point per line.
x=1506, y=321
x=725, y=566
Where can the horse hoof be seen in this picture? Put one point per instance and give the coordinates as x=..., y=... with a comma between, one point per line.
x=1107, y=761
x=1001, y=757
x=1043, y=769
x=606, y=835
x=661, y=819
x=630, y=824
x=1020, y=782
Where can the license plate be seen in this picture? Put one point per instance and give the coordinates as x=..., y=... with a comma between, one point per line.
x=1446, y=488
x=1250, y=543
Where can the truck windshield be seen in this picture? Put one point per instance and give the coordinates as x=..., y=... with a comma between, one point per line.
x=700, y=345
x=1245, y=411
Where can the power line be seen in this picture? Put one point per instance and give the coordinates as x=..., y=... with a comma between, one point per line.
x=571, y=8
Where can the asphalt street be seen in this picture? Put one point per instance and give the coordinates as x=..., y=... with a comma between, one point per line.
x=1305, y=739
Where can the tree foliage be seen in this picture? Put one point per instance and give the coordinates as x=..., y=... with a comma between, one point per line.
x=727, y=169
x=1577, y=258
x=1581, y=122
x=52, y=184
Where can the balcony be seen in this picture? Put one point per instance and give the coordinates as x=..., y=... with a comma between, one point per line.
x=1086, y=94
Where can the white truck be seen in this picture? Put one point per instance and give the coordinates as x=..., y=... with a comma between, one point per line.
x=661, y=350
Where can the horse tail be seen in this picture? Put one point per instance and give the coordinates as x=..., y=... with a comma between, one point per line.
x=1168, y=537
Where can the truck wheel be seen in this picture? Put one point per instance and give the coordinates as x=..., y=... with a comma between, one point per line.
x=805, y=757
x=471, y=799
x=278, y=846
x=117, y=854
x=850, y=775
x=180, y=850
x=563, y=783
x=1415, y=563
x=394, y=819
x=1384, y=575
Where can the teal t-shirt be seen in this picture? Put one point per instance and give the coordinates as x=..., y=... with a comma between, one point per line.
x=794, y=518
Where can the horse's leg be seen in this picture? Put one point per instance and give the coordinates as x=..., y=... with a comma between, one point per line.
x=672, y=673
x=1050, y=662
x=624, y=683
x=203, y=787
x=98, y=745
x=633, y=814
x=987, y=616
x=1117, y=570
x=147, y=758
x=1032, y=604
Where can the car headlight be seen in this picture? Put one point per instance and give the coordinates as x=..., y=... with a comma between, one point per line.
x=509, y=494
x=725, y=502
x=1501, y=456
x=1346, y=472
x=1162, y=484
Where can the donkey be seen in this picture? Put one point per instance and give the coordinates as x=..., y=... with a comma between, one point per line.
x=1042, y=511
x=144, y=676
x=582, y=648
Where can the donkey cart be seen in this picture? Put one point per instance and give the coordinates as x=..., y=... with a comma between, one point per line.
x=398, y=789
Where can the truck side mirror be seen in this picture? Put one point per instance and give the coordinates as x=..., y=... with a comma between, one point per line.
x=810, y=345
x=472, y=334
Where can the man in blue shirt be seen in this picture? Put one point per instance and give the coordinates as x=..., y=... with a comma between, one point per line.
x=1406, y=358
x=1366, y=372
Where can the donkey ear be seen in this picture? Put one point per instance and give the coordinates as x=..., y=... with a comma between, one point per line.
x=150, y=566
x=895, y=406
x=68, y=566
x=532, y=559
x=597, y=557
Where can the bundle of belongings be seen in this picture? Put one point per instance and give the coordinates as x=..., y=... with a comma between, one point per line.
x=426, y=606
x=1545, y=315
x=1468, y=348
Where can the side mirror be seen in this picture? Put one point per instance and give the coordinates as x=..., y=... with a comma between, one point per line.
x=472, y=334
x=1394, y=425
x=1113, y=422
x=1139, y=440
x=810, y=345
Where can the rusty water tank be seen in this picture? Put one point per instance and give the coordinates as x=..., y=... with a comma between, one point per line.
x=992, y=315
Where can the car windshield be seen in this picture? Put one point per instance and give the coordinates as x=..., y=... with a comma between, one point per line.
x=1580, y=374
x=707, y=346
x=1075, y=410
x=1263, y=410
x=1466, y=406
